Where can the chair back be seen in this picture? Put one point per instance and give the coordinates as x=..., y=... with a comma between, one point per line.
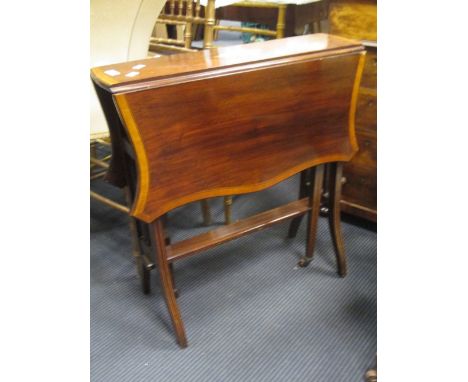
x=180, y=19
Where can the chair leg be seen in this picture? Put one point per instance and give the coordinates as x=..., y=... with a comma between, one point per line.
x=334, y=215
x=314, y=203
x=216, y=32
x=303, y=187
x=228, y=209
x=158, y=243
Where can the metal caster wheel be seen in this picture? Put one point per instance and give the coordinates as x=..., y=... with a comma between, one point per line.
x=304, y=262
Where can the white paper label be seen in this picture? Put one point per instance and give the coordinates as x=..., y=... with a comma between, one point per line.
x=132, y=74
x=112, y=72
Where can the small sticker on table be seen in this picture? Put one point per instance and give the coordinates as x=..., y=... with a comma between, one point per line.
x=132, y=74
x=139, y=66
x=112, y=72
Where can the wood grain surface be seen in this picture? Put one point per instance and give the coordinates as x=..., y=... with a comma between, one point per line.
x=237, y=134
x=157, y=71
x=354, y=19
x=231, y=121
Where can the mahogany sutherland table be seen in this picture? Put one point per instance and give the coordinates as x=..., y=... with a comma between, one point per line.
x=228, y=121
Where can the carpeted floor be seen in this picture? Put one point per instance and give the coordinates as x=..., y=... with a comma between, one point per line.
x=250, y=314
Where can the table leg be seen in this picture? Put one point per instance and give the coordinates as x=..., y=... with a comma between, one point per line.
x=334, y=215
x=158, y=239
x=314, y=203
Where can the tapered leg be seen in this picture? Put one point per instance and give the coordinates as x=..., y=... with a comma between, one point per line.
x=171, y=268
x=314, y=203
x=334, y=215
x=303, y=189
x=158, y=243
x=176, y=291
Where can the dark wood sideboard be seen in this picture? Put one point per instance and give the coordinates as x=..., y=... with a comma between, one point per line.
x=357, y=19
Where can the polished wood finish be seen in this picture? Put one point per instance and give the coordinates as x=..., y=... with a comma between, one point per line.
x=334, y=190
x=235, y=230
x=178, y=68
x=358, y=19
x=158, y=239
x=264, y=118
x=361, y=173
x=230, y=124
x=314, y=204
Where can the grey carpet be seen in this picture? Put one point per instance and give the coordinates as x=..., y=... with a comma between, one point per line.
x=250, y=314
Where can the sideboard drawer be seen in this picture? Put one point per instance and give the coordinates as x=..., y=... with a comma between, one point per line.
x=366, y=113
x=360, y=183
x=357, y=19
x=367, y=154
x=369, y=76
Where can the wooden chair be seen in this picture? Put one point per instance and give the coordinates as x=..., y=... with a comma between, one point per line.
x=254, y=139
x=280, y=21
x=186, y=15
x=181, y=17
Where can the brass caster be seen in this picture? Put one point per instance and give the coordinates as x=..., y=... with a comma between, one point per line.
x=371, y=375
x=304, y=262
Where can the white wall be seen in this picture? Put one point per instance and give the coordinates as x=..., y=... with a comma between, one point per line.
x=120, y=31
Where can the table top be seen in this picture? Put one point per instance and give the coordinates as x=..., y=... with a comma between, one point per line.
x=234, y=120
x=140, y=73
